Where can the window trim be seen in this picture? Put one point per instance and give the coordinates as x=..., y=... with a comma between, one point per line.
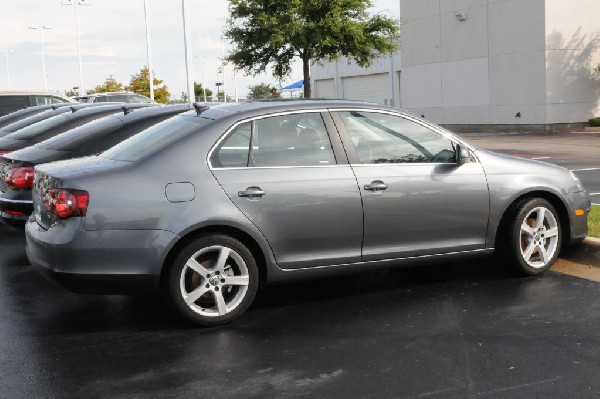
x=353, y=157
x=339, y=156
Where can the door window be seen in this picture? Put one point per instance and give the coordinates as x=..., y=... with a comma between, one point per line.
x=382, y=138
x=288, y=140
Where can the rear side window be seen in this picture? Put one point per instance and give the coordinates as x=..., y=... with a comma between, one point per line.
x=152, y=139
x=287, y=140
x=45, y=100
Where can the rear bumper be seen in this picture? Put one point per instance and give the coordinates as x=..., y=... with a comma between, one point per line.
x=127, y=262
x=15, y=212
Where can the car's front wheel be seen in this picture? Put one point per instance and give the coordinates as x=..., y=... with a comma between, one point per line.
x=533, y=238
x=212, y=280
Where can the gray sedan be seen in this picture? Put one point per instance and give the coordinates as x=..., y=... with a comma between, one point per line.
x=206, y=205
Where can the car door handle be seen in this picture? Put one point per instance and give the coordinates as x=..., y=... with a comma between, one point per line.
x=376, y=185
x=252, y=192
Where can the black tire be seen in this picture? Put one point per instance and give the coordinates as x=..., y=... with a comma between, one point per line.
x=209, y=279
x=529, y=247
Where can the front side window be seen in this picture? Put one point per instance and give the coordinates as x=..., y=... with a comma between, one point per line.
x=383, y=138
x=288, y=140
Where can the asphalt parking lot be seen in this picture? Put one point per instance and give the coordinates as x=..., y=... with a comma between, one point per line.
x=444, y=331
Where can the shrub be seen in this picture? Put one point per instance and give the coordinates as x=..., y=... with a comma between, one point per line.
x=595, y=121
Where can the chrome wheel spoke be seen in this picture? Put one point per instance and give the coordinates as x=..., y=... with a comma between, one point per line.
x=197, y=267
x=525, y=228
x=553, y=232
x=529, y=251
x=543, y=253
x=195, y=295
x=223, y=256
x=541, y=215
x=236, y=280
x=220, y=301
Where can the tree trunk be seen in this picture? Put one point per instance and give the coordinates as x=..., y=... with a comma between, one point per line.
x=306, y=73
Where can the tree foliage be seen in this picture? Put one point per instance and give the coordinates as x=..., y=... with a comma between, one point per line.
x=262, y=91
x=109, y=85
x=274, y=32
x=199, y=92
x=140, y=84
x=71, y=93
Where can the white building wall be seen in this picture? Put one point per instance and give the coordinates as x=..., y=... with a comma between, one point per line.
x=498, y=62
x=572, y=53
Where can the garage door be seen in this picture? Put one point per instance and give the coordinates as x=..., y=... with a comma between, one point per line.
x=324, y=88
x=371, y=88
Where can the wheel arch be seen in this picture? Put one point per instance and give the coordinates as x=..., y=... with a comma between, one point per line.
x=553, y=199
x=231, y=231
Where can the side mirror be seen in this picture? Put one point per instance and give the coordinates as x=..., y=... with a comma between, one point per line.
x=462, y=154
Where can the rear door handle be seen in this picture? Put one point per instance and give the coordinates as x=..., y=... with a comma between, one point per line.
x=376, y=185
x=252, y=192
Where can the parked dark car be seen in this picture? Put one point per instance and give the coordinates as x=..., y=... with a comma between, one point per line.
x=208, y=203
x=27, y=112
x=40, y=116
x=55, y=125
x=14, y=100
x=16, y=168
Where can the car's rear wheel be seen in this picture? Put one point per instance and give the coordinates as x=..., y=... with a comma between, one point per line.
x=533, y=238
x=212, y=280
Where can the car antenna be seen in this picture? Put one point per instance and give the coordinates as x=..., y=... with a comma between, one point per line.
x=200, y=108
x=73, y=109
x=126, y=110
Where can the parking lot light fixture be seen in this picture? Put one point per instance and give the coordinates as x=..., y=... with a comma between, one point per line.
x=41, y=28
x=75, y=4
x=6, y=52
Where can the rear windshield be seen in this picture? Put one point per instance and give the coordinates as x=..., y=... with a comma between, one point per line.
x=152, y=139
x=73, y=138
x=13, y=127
x=31, y=131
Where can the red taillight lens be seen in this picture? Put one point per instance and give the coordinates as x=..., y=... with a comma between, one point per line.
x=66, y=203
x=4, y=152
x=19, y=177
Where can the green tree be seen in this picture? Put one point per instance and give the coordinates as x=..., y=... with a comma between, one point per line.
x=109, y=85
x=199, y=92
x=262, y=91
x=274, y=32
x=71, y=93
x=140, y=84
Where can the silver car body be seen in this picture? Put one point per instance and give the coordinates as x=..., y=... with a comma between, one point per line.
x=313, y=220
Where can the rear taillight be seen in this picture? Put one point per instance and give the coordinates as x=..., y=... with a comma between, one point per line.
x=19, y=177
x=4, y=152
x=66, y=203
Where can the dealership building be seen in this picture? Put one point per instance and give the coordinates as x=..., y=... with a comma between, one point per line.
x=483, y=64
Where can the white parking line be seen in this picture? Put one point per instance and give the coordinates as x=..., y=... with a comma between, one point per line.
x=583, y=170
x=537, y=158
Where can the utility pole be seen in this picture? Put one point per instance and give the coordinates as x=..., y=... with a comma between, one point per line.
x=188, y=67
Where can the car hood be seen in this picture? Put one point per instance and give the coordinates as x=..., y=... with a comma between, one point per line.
x=507, y=170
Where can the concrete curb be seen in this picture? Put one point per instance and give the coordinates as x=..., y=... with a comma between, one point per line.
x=581, y=260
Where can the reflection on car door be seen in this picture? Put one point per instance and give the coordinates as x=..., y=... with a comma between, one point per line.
x=281, y=172
x=417, y=200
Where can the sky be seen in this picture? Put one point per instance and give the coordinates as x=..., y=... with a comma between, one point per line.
x=113, y=42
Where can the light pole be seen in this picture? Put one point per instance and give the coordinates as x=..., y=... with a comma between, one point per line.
x=150, y=75
x=41, y=29
x=188, y=67
x=75, y=4
x=223, y=68
x=7, y=67
x=202, y=58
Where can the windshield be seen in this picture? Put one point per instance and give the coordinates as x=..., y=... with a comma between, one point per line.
x=31, y=131
x=152, y=139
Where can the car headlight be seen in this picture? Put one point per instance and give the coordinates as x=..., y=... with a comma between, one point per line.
x=577, y=181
